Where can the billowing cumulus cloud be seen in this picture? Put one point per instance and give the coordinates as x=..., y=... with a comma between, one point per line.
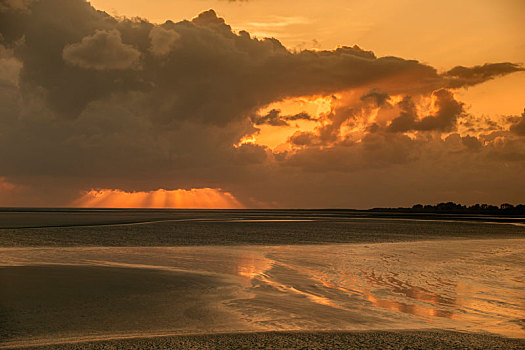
x=102, y=50
x=444, y=118
x=162, y=40
x=127, y=106
x=519, y=127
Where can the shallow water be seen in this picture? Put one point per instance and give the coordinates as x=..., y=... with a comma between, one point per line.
x=470, y=285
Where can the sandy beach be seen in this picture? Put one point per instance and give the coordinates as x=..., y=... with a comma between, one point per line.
x=304, y=340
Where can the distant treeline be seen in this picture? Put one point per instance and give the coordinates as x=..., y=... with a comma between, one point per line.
x=451, y=207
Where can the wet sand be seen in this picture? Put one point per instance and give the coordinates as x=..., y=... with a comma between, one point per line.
x=55, y=303
x=63, y=295
x=78, y=217
x=263, y=281
x=245, y=230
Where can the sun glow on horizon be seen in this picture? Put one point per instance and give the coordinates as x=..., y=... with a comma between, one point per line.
x=195, y=198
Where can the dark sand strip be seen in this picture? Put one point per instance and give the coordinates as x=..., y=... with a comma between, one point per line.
x=46, y=303
x=69, y=217
x=307, y=340
x=193, y=233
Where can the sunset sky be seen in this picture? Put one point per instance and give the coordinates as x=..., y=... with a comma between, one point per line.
x=261, y=103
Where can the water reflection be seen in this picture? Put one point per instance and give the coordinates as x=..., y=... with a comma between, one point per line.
x=399, y=288
x=463, y=285
x=437, y=284
x=251, y=265
x=412, y=309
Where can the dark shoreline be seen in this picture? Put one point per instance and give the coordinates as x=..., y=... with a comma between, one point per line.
x=27, y=218
x=405, y=339
x=85, y=227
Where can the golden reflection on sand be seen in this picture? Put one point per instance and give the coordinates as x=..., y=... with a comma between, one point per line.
x=408, y=292
x=251, y=265
x=412, y=309
x=481, y=302
x=440, y=287
x=356, y=288
x=254, y=268
x=452, y=285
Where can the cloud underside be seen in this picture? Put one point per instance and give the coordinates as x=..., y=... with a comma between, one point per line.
x=99, y=102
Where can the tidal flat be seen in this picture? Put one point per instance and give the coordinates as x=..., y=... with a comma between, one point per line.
x=222, y=279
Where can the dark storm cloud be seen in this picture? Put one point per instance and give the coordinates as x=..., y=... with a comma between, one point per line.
x=375, y=150
x=88, y=100
x=102, y=50
x=304, y=138
x=467, y=76
x=519, y=127
x=444, y=119
x=407, y=119
x=275, y=118
x=379, y=98
x=471, y=142
x=162, y=40
x=233, y=73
